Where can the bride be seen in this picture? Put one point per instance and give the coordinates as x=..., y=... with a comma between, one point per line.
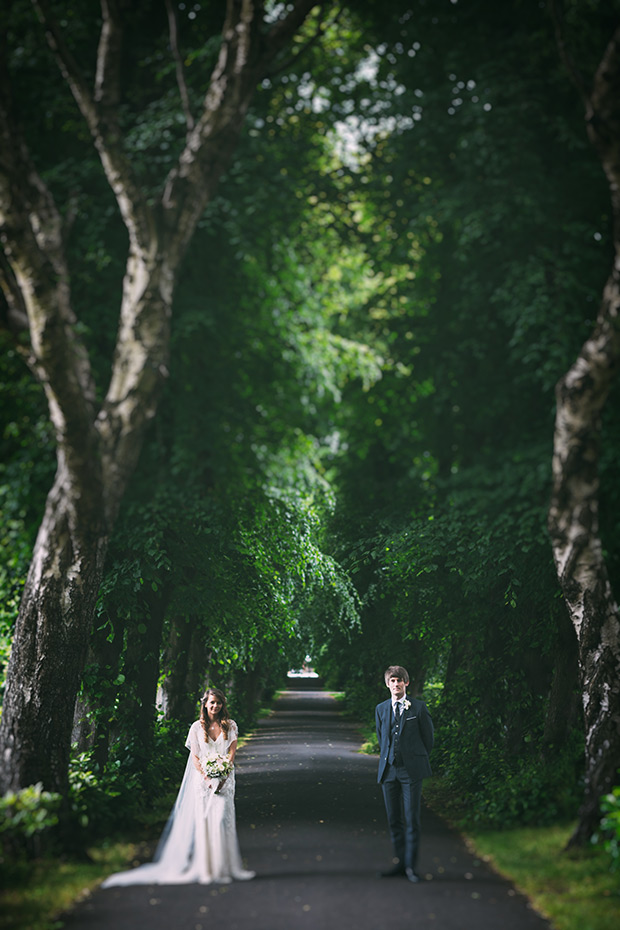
x=199, y=842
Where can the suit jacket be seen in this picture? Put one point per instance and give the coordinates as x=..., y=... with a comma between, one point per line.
x=416, y=737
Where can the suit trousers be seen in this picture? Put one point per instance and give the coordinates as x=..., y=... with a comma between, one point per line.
x=402, y=796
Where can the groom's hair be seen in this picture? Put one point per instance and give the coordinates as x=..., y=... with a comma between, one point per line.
x=396, y=671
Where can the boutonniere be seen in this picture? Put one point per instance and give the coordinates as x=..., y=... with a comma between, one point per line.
x=406, y=704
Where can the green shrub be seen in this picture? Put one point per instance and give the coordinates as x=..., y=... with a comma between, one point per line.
x=26, y=816
x=610, y=826
x=527, y=792
x=135, y=789
x=29, y=811
x=493, y=790
x=94, y=798
x=370, y=746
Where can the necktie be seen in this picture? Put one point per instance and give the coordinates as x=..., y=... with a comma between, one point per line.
x=397, y=756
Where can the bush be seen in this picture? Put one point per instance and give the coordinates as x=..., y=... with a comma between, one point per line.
x=25, y=817
x=491, y=789
x=134, y=789
x=528, y=792
x=93, y=798
x=128, y=792
x=610, y=827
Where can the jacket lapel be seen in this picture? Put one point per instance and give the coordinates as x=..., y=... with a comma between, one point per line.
x=403, y=717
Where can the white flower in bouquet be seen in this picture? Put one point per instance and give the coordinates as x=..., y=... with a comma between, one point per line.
x=217, y=767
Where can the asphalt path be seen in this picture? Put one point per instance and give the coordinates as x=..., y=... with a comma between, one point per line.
x=311, y=823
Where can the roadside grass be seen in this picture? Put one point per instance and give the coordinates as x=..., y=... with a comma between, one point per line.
x=51, y=886
x=370, y=746
x=574, y=889
x=337, y=695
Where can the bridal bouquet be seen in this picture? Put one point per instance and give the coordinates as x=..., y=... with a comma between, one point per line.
x=217, y=767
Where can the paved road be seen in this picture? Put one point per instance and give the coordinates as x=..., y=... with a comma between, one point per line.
x=312, y=824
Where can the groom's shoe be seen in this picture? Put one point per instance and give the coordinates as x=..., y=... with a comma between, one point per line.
x=412, y=876
x=397, y=869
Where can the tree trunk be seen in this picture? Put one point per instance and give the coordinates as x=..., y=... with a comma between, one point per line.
x=180, y=690
x=141, y=670
x=578, y=555
x=49, y=648
x=98, y=449
x=573, y=514
x=246, y=694
x=563, y=704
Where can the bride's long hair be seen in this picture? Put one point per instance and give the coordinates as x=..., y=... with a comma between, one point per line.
x=223, y=717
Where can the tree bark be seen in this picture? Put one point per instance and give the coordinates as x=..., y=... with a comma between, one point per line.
x=98, y=448
x=573, y=514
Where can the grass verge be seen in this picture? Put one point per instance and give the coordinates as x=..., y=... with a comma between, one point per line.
x=574, y=889
x=53, y=885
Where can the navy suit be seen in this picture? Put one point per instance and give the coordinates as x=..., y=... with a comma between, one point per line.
x=403, y=764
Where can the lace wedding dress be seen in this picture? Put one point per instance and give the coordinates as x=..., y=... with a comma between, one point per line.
x=199, y=842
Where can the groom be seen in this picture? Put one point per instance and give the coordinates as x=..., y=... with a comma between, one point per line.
x=405, y=734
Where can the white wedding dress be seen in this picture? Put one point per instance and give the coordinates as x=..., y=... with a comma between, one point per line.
x=199, y=842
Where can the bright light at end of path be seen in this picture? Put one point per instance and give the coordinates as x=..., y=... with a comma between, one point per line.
x=306, y=671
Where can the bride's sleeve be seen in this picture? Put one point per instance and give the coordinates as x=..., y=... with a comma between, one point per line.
x=191, y=738
x=193, y=744
x=192, y=741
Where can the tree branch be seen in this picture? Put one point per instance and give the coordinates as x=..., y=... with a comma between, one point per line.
x=556, y=8
x=283, y=29
x=67, y=64
x=35, y=279
x=293, y=59
x=100, y=111
x=244, y=58
x=13, y=313
x=604, y=123
x=174, y=46
x=107, y=76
